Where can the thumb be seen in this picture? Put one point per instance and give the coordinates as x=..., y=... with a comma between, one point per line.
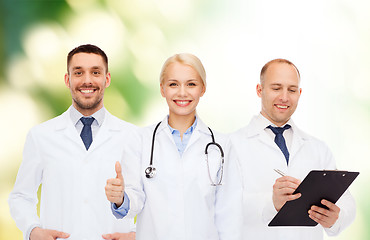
x=119, y=170
x=57, y=234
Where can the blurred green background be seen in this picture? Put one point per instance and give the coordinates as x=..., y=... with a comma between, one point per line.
x=327, y=40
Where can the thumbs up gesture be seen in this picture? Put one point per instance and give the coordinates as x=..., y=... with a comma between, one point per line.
x=115, y=187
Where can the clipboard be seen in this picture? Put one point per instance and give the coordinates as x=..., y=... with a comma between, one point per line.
x=317, y=185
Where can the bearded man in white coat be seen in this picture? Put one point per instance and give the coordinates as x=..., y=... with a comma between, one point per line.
x=72, y=155
x=254, y=146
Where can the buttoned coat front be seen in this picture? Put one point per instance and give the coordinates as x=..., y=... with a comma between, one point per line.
x=180, y=202
x=72, y=194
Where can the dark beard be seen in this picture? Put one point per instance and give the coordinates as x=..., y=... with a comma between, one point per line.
x=87, y=106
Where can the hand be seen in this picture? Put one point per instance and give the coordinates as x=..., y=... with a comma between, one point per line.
x=283, y=189
x=325, y=217
x=115, y=187
x=120, y=236
x=46, y=234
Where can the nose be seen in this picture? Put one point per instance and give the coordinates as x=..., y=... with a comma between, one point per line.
x=182, y=91
x=284, y=95
x=87, y=79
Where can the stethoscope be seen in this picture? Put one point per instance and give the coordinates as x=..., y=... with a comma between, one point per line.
x=150, y=171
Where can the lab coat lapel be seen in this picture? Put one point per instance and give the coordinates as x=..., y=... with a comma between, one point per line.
x=105, y=132
x=298, y=140
x=65, y=125
x=164, y=127
x=256, y=130
x=201, y=127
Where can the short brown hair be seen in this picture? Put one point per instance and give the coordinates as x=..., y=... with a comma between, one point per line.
x=278, y=60
x=87, y=48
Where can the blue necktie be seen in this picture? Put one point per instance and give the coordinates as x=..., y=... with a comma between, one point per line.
x=86, y=133
x=279, y=139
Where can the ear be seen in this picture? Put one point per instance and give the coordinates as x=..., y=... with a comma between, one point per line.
x=203, y=91
x=259, y=90
x=300, y=91
x=107, y=80
x=66, y=80
x=162, y=90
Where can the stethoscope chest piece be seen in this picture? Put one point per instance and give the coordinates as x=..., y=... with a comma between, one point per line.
x=150, y=171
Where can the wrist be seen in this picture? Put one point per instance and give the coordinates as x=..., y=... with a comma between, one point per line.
x=34, y=232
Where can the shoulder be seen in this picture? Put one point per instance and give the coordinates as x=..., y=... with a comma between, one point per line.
x=241, y=133
x=119, y=123
x=51, y=124
x=149, y=130
x=315, y=143
x=207, y=131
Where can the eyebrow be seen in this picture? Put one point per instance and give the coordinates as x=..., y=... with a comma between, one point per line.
x=93, y=67
x=279, y=85
x=189, y=80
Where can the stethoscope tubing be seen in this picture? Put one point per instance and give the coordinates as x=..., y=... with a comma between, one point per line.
x=151, y=170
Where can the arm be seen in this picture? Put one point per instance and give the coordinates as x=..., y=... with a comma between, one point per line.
x=127, y=196
x=23, y=199
x=229, y=199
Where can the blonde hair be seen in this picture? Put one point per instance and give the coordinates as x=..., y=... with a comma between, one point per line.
x=187, y=59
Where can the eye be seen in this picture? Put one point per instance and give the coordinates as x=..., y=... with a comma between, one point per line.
x=172, y=85
x=192, y=84
x=77, y=73
x=96, y=72
x=275, y=88
x=292, y=90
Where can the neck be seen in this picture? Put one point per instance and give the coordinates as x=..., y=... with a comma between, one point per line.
x=181, y=123
x=278, y=124
x=87, y=112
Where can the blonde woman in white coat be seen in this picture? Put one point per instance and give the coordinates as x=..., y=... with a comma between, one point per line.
x=183, y=198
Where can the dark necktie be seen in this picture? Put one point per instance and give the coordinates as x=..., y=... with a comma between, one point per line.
x=86, y=133
x=279, y=139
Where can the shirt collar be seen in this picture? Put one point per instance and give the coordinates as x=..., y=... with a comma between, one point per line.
x=264, y=122
x=189, y=130
x=76, y=115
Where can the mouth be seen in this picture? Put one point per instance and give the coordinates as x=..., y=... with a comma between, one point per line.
x=182, y=103
x=282, y=107
x=87, y=91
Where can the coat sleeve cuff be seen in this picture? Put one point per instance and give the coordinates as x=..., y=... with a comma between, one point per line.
x=28, y=232
x=121, y=212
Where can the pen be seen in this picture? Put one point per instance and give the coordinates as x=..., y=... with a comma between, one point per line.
x=280, y=172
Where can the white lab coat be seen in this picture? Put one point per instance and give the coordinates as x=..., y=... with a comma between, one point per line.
x=180, y=202
x=258, y=155
x=72, y=196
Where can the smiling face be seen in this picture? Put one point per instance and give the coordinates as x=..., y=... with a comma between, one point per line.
x=87, y=79
x=182, y=87
x=279, y=92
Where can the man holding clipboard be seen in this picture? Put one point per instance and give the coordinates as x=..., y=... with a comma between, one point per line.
x=272, y=141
